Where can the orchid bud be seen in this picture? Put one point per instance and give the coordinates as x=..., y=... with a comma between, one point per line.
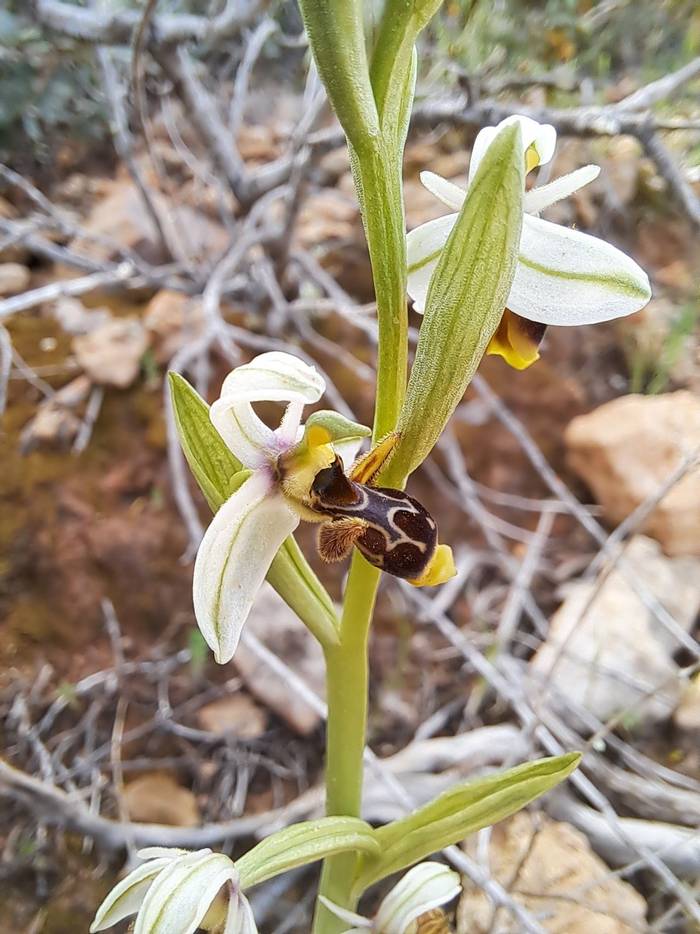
x=335, y=29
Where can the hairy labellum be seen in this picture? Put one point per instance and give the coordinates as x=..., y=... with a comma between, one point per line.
x=433, y=922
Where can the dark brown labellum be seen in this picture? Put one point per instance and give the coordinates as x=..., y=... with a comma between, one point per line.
x=390, y=528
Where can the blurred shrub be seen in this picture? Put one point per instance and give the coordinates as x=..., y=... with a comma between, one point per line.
x=600, y=39
x=49, y=90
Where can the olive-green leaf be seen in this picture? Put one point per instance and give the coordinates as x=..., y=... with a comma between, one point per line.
x=459, y=812
x=218, y=474
x=305, y=843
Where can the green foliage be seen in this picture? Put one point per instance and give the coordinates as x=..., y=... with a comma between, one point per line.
x=651, y=368
x=598, y=40
x=305, y=843
x=49, y=88
x=459, y=812
x=199, y=652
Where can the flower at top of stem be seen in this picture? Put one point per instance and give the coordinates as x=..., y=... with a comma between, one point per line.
x=410, y=907
x=278, y=486
x=563, y=276
x=178, y=892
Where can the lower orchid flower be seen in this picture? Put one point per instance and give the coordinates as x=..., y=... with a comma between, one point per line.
x=411, y=907
x=297, y=472
x=179, y=891
x=563, y=276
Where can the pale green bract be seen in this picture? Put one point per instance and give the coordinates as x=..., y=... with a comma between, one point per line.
x=469, y=286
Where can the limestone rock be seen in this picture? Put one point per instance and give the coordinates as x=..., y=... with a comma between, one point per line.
x=55, y=422
x=156, y=798
x=605, y=650
x=111, y=354
x=328, y=215
x=119, y=218
x=687, y=715
x=274, y=624
x=236, y=714
x=75, y=318
x=172, y=319
x=626, y=449
x=550, y=869
x=257, y=143
x=14, y=278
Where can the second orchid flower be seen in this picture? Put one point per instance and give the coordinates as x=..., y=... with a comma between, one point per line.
x=563, y=276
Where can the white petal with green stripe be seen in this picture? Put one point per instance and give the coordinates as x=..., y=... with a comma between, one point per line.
x=424, y=245
x=234, y=557
x=182, y=893
x=426, y=886
x=126, y=897
x=270, y=377
x=566, y=277
x=239, y=918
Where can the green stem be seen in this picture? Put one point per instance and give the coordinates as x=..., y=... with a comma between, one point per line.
x=377, y=174
x=347, y=678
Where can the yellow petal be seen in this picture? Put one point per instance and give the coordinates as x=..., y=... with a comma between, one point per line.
x=441, y=569
x=517, y=340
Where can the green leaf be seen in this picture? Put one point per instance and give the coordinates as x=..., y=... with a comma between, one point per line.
x=459, y=812
x=219, y=474
x=305, y=843
x=212, y=464
x=467, y=295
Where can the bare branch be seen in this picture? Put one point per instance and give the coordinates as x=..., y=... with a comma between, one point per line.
x=118, y=27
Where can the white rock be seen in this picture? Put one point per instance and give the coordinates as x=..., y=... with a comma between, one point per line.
x=76, y=318
x=236, y=714
x=605, y=650
x=550, y=869
x=111, y=354
x=625, y=451
x=687, y=715
x=14, y=278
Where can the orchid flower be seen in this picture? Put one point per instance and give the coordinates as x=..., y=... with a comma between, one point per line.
x=409, y=906
x=269, y=501
x=563, y=276
x=177, y=892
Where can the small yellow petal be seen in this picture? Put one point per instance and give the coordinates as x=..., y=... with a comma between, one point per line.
x=316, y=435
x=441, y=569
x=517, y=340
x=532, y=158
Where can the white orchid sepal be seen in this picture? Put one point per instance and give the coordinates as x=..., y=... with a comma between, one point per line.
x=563, y=276
x=266, y=507
x=424, y=888
x=179, y=891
